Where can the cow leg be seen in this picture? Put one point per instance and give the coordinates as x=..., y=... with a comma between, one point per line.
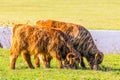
x=82, y=63
x=37, y=61
x=54, y=55
x=27, y=59
x=13, y=59
x=48, y=60
x=60, y=65
x=90, y=62
x=44, y=60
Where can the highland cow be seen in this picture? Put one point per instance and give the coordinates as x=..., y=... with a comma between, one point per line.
x=43, y=43
x=81, y=40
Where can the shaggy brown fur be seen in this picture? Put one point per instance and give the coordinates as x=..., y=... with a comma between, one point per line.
x=44, y=43
x=82, y=41
x=1, y=45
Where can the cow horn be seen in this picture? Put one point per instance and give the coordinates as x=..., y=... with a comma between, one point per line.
x=102, y=56
x=70, y=56
x=99, y=55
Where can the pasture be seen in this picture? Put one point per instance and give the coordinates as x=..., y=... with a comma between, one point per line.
x=93, y=14
x=110, y=70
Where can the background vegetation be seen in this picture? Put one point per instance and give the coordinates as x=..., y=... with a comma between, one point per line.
x=110, y=70
x=93, y=14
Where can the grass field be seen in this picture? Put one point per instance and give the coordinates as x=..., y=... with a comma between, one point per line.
x=110, y=70
x=93, y=14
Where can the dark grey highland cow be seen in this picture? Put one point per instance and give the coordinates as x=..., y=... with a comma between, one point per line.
x=82, y=41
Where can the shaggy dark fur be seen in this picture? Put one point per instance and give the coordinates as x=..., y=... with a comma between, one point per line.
x=82, y=41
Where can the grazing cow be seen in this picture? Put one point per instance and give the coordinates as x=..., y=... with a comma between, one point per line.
x=82, y=41
x=1, y=45
x=44, y=43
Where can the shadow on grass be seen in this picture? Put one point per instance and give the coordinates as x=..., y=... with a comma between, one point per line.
x=102, y=68
x=21, y=68
x=105, y=69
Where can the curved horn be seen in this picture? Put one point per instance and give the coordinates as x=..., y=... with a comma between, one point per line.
x=102, y=56
x=70, y=56
x=98, y=56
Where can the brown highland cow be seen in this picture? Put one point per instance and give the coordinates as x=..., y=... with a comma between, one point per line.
x=81, y=40
x=44, y=43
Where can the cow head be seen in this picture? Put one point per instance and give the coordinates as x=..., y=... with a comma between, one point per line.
x=64, y=47
x=73, y=57
x=98, y=59
x=72, y=61
x=94, y=62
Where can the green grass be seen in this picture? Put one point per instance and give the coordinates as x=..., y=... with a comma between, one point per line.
x=110, y=70
x=93, y=14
